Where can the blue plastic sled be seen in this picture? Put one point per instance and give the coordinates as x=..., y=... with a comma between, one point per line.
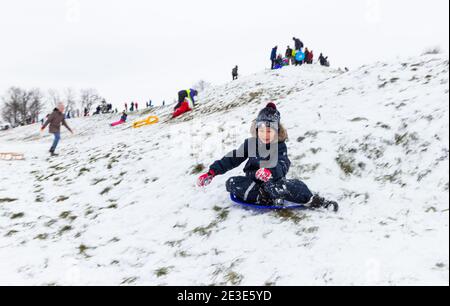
x=300, y=56
x=287, y=205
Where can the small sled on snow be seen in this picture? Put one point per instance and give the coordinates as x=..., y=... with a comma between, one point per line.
x=148, y=121
x=12, y=156
x=284, y=205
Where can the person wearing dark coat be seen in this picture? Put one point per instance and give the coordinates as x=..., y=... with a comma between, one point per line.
x=234, y=73
x=289, y=55
x=54, y=121
x=267, y=165
x=273, y=56
x=324, y=60
x=298, y=44
x=98, y=110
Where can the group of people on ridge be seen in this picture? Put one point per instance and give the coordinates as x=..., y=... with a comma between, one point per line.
x=296, y=56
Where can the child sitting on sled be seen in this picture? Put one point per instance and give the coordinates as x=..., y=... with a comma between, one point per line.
x=122, y=120
x=267, y=165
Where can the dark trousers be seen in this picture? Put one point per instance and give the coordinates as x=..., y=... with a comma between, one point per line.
x=235, y=77
x=182, y=95
x=274, y=61
x=248, y=190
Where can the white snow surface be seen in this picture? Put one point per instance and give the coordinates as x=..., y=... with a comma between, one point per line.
x=121, y=206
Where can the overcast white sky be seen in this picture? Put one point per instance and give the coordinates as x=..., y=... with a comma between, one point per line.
x=142, y=49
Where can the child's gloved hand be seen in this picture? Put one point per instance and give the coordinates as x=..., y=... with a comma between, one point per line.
x=263, y=175
x=206, y=179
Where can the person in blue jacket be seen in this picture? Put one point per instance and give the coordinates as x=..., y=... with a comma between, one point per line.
x=273, y=56
x=267, y=165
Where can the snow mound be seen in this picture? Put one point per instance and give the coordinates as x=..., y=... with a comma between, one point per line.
x=120, y=206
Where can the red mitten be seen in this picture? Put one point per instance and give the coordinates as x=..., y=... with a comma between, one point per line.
x=263, y=175
x=206, y=179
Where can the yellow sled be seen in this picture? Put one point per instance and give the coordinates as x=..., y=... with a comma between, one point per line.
x=149, y=121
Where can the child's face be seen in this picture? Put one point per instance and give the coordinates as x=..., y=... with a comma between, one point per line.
x=266, y=134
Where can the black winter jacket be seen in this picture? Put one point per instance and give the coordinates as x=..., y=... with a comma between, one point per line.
x=258, y=157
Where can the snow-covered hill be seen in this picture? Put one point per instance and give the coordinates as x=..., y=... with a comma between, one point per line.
x=120, y=206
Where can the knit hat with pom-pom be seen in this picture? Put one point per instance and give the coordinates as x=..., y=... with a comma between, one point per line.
x=269, y=116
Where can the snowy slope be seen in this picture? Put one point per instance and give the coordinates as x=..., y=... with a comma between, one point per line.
x=120, y=206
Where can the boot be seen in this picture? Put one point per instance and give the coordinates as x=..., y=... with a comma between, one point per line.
x=52, y=153
x=320, y=202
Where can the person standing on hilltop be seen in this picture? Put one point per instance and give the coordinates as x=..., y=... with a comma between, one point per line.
x=234, y=73
x=273, y=56
x=298, y=44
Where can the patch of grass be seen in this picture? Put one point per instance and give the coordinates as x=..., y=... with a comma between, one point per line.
x=432, y=51
x=82, y=250
x=51, y=222
x=289, y=215
x=17, y=216
x=83, y=171
x=198, y=169
x=65, y=214
x=62, y=199
x=205, y=230
x=346, y=163
x=162, y=271
x=391, y=178
x=174, y=243
x=7, y=200
x=222, y=213
x=383, y=126
x=11, y=233
x=300, y=139
x=359, y=119
x=182, y=254
x=97, y=181
x=233, y=278
x=112, y=161
x=129, y=280
x=105, y=191
x=41, y=237
x=65, y=229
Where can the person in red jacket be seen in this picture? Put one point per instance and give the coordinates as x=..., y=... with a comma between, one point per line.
x=310, y=57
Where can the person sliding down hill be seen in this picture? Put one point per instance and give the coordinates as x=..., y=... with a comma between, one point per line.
x=267, y=165
x=122, y=120
x=183, y=105
x=55, y=120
